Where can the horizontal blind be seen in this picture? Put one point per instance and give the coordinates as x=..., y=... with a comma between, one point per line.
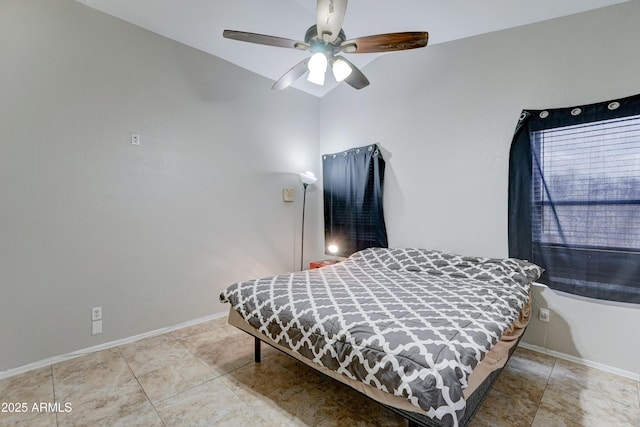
x=586, y=185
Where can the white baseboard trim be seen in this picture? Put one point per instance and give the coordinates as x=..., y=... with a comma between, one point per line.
x=606, y=368
x=83, y=352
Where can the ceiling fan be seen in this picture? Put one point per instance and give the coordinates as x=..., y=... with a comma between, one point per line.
x=326, y=40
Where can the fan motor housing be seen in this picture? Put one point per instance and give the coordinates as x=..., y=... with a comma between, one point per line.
x=318, y=45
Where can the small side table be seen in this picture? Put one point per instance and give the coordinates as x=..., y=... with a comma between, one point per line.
x=323, y=263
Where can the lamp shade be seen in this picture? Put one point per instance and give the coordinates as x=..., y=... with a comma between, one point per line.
x=308, y=177
x=317, y=68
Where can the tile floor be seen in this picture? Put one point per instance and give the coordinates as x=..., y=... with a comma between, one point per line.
x=204, y=375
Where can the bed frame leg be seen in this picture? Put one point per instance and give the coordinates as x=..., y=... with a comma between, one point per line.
x=257, y=350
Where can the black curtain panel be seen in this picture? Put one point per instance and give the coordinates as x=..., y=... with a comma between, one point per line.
x=353, y=215
x=574, y=197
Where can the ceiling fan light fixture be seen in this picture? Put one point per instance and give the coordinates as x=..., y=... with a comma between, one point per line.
x=317, y=68
x=341, y=70
x=325, y=41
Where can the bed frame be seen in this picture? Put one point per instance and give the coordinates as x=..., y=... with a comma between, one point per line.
x=415, y=419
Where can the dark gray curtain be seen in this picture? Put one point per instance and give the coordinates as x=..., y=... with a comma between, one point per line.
x=352, y=183
x=574, y=197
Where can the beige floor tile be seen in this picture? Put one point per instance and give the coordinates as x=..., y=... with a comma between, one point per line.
x=270, y=389
x=594, y=383
x=29, y=419
x=287, y=391
x=103, y=373
x=174, y=378
x=224, y=354
x=586, y=408
x=502, y=410
x=526, y=374
x=545, y=418
x=363, y=407
x=207, y=404
x=312, y=409
x=101, y=390
x=33, y=386
x=162, y=355
x=245, y=419
x=129, y=350
x=20, y=393
x=219, y=327
x=127, y=409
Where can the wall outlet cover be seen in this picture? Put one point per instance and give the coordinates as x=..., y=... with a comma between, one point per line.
x=543, y=315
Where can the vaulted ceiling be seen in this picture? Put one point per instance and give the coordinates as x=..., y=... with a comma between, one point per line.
x=199, y=23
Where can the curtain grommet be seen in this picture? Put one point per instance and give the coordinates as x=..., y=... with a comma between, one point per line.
x=522, y=116
x=613, y=105
x=543, y=114
x=576, y=112
x=370, y=147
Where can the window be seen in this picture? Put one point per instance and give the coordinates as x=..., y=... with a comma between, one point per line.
x=352, y=184
x=574, y=197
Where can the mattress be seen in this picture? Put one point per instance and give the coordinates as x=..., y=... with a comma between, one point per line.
x=411, y=324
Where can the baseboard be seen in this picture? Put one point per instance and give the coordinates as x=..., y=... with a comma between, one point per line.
x=57, y=359
x=606, y=368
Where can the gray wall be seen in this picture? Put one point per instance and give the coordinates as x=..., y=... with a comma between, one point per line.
x=151, y=233
x=446, y=114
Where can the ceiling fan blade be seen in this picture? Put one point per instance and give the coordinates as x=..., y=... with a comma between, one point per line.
x=356, y=79
x=385, y=42
x=292, y=75
x=329, y=18
x=264, y=39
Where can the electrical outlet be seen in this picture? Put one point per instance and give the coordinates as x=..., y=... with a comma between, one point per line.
x=96, y=313
x=96, y=327
x=543, y=315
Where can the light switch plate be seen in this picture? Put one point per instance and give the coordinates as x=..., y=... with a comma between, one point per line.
x=96, y=327
x=288, y=194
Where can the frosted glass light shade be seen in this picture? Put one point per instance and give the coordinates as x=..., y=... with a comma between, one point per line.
x=341, y=70
x=317, y=68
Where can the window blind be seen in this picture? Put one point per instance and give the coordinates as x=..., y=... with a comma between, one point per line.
x=586, y=185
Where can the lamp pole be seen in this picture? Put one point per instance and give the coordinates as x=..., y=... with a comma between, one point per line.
x=306, y=178
x=304, y=202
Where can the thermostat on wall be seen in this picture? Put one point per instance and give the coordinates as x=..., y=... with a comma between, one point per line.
x=287, y=194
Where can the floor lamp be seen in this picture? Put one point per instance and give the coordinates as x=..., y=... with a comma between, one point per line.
x=307, y=179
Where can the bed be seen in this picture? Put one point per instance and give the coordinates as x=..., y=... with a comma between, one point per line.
x=423, y=332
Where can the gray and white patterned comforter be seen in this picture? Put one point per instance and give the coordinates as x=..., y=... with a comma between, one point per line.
x=410, y=322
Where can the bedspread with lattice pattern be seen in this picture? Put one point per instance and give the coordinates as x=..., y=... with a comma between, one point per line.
x=411, y=322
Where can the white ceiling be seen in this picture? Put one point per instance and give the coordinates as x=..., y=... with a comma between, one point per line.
x=199, y=23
